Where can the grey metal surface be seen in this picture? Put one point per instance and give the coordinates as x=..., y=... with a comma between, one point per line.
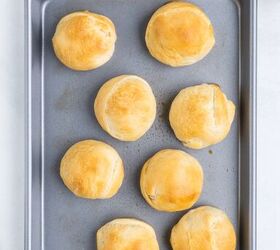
x=59, y=113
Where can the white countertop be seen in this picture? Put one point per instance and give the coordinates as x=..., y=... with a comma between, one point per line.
x=268, y=187
x=12, y=125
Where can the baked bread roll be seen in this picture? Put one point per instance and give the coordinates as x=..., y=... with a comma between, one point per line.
x=84, y=40
x=201, y=115
x=179, y=34
x=203, y=228
x=171, y=180
x=126, y=234
x=125, y=107
x=92, y=169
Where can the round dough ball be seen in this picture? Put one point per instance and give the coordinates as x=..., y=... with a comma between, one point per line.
x=203, y=228
x=179, y=34
x=126, y=234
x=125, y=107
x=92, y=169
x=171, y=180
x=201, y=115
x=84, y=40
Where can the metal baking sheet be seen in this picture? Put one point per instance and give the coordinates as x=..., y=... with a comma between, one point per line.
x=59, y=113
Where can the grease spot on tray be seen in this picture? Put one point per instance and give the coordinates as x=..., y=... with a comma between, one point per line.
x=65, y=101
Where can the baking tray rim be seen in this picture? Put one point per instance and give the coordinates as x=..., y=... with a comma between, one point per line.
x=252, y=133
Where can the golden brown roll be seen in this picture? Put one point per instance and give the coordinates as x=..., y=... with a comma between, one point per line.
x=84, y=40
x=126, y=234
x=203, y=228
x=92, y=169
x=201, y=115
x=171, y=180
x=125, y=107
x=179, y=34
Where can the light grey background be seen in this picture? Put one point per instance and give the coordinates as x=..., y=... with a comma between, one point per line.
x=12, y=128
